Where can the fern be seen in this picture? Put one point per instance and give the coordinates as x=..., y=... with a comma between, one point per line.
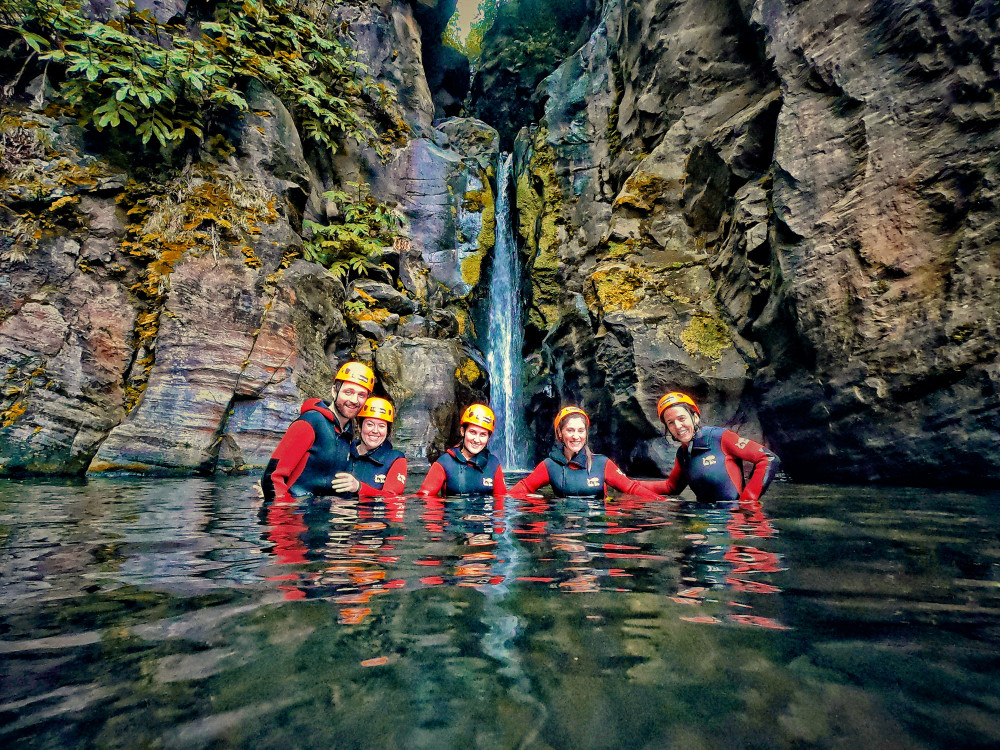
x=353, y=246
x=132, y=72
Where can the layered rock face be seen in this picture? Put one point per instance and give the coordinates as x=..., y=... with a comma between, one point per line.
x=787, y=209
x=170, y=324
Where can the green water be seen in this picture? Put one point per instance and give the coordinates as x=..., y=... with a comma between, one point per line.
x=182, y=614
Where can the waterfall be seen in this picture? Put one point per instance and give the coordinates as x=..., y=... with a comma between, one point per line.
x=505, y=334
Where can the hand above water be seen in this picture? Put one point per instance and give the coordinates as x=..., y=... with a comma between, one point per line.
x=344, y=483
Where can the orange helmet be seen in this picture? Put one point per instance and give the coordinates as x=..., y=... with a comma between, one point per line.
x=378, y=408
x=568, y=412
x=358, y=373
x=481, y=415
x=675, y=398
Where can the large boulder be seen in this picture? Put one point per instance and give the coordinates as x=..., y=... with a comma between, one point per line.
x=448, y=201
x=429, y=380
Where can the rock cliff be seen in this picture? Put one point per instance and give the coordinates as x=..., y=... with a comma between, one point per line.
x=159, y=316
x=788, y=209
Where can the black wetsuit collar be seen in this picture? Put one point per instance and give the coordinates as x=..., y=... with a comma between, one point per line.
x=557, y=454
x=479, y=460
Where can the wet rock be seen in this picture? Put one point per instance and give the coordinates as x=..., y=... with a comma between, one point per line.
x=448, y=203
x=205, y=336
x=430, y=381
x=620, y=279
x=527, y=42
x=292, y=359
x=368, y=291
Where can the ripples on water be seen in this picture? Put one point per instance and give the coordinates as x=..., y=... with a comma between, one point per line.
x=185, y=614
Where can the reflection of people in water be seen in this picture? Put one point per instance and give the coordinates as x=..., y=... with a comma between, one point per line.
x=469, y=468
x=710, y=459
x=376, y=467
x=317, y=445
x=572, y=469
x=335, y=549
x=472, y=521
x=721, y=566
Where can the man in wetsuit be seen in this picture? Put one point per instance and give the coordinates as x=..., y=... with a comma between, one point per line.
x=317, y=445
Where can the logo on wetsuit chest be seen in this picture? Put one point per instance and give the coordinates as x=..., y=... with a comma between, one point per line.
x=594, y=482
x=380, y=479
x=487, y=481
x=708, y=461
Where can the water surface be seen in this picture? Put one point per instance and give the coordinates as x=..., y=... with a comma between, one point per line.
x=185, y=614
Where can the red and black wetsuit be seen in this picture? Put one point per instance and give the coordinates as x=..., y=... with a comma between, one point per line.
x=313, y=449
x=572, y=478
x=712, y=463
x=453, y=474
x=381, y=471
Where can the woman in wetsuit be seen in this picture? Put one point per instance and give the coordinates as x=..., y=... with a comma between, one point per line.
x=572, y=469
x=469, y=468
x=376, y=467
x=710, y=459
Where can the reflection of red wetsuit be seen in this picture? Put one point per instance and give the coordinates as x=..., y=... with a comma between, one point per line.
x=287, y=530
x=712, y=463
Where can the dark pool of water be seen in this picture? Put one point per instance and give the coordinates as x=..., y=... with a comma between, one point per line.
x=183, y=614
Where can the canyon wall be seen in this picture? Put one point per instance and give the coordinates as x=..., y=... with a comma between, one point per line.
x=161, y=317
x=789, y=210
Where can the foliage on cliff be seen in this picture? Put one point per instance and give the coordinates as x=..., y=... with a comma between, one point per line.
x=525, y=43
x=356, y=242
x=178, y=82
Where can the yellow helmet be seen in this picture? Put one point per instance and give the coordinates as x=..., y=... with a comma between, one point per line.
x=358, y=373
x=481, y=415
x=675, y=398
x=379, y=408
x=568, y=412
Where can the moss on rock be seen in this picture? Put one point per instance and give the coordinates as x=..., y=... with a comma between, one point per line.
x=707, y=336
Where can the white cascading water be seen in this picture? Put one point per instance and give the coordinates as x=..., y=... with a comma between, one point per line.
x=505, y=334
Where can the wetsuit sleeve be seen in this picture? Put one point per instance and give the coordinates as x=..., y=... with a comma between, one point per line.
x=537, y=478
x=295, y=443
x=499, y=488
x=395, y=481
x=765, y=463
x=434, y=481
x=672, y=485
x=616, y=478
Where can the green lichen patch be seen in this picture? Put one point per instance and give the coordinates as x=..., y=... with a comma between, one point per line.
x=615, y=288
x=468, y=372
x=642, y=191
x=706, y=336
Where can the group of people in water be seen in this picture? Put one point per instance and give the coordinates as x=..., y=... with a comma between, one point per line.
x=320, y=454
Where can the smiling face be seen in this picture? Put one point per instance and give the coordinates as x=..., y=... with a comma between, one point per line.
x=573, y=433
x=350, y=398
x=373, y=432
x=680, y=424
x=474, y=439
